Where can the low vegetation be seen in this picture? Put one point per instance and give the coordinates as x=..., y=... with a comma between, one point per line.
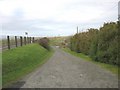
x=20, y=61
x=44, y=42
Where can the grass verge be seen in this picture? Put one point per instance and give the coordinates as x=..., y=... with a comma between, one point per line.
x=20, y=61
x=112, y=68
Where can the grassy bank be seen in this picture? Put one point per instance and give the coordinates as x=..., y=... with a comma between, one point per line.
x=21, y=61
x=112, y=68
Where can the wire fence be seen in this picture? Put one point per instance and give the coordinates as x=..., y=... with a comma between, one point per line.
x=9, y=42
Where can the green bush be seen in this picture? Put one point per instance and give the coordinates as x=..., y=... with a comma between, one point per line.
x=45, y=43
x=101, y=45
x=81, y=42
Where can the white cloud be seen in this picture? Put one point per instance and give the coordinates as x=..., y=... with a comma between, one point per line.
x=55, y=16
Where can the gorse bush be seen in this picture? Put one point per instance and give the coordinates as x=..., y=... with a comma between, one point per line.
x=81, y=42
x=45, y=43
x=101, y=45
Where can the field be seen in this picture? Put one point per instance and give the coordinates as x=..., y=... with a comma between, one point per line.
x=57, y=40
x=20, y=61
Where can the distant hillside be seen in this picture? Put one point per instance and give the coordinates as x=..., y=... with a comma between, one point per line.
x=57, y=41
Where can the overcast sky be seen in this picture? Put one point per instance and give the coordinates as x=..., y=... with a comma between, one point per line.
x=54, y=17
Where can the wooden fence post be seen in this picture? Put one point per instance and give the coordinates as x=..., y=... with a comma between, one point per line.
x=25, y=40
x=33, y=39
x=21, y=40
x=30, y=39
x=16, y=41
x=8, y=39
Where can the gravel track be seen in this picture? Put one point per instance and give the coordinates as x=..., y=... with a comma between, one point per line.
x=63, y=70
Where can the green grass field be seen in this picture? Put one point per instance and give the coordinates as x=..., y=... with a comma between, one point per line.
x=112, y=68
x=20, y=61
